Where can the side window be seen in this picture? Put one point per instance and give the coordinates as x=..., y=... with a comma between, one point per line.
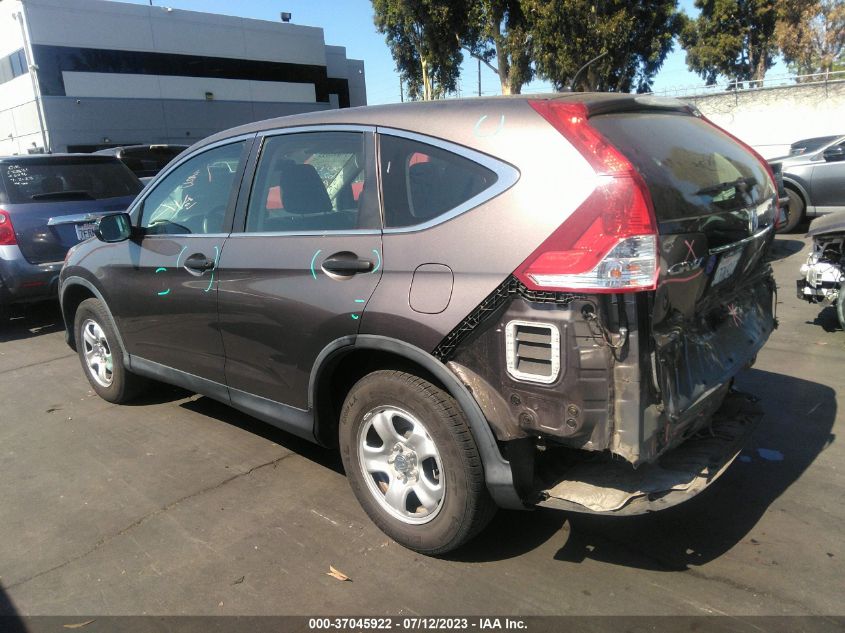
x=422, y=182
x=313, y=181
x=195, y=196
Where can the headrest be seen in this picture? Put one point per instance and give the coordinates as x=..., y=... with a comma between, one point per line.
x=303, y=191
x=52, y=184
x=425, y=190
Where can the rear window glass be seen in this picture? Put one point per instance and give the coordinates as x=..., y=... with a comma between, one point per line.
x=690, y=167
x=67, y=179
x=422, y=182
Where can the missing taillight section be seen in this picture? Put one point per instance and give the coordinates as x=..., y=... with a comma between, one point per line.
x=609, y=243
x=7, y=231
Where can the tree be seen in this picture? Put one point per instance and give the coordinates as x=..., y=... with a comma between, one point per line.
x=497, y=30
x=735, y=38
x=424, y=39
x=811, y=34
x=635, y=35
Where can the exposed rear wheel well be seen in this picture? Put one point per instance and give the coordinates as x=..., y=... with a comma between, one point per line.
x=338, y=376
x=72, y=297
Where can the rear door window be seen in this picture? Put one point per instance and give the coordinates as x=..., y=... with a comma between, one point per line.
x=422, y=182
x=313, y=181
x=690, y=167
x=60, y=178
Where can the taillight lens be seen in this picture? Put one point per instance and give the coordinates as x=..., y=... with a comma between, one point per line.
x=609, y=243
x=7, y=231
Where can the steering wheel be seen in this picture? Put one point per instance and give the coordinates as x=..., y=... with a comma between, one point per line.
x=213, y=220
x=210, y=221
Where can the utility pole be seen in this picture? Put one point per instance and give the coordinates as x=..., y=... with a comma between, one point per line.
x=401, y=91
x=479, y=77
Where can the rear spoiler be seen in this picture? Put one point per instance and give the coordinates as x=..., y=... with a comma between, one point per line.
x=601, y=104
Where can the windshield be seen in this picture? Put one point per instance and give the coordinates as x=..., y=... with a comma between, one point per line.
x=66, y=179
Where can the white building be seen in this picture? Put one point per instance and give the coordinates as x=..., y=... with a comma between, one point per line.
x=79, y=75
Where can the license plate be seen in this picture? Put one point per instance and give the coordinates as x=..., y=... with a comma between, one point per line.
x=84, y=231
x=727, y=266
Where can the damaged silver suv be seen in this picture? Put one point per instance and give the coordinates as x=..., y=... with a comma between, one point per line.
x=489, y=302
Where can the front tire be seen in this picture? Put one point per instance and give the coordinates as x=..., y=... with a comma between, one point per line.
x=840, y=306
x=412, y=462
x=101, y=355
x=794, y=211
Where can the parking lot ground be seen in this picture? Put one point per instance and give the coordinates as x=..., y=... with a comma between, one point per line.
x=180, y=505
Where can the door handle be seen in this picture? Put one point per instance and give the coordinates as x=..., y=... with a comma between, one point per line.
x=198, y=263
x=347, y=266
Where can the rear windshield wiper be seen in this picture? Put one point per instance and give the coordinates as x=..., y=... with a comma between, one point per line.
x=63, y=194
x=715, y=190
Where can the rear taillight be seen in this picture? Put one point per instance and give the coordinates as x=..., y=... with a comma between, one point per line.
x=7, y=231
x=765, y=163
x=609, y=243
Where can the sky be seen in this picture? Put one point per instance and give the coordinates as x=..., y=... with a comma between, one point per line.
x=349, y=23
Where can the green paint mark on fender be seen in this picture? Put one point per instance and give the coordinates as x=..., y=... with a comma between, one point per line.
x=355, y=316
x=313, y=259
x=161, y=269
x=477, y=129
x=213, y=270
x=378, y=264
x=164, y=293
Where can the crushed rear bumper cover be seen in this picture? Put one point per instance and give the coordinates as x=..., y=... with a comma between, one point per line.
x=614, y=487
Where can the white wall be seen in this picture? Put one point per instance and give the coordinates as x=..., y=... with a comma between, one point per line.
x=770, y=120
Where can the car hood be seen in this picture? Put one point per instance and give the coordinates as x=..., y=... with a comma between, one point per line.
x=830, y=223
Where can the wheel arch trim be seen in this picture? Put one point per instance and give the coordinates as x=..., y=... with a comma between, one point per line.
x=802, y=191
x=81, y=281
x=497, y=471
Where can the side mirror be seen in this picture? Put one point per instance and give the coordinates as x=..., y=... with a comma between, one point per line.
x=835, y=153
x=114, y=228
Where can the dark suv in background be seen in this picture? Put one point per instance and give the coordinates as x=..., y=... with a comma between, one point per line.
x=489, y=302
x=48, y=203
x=145, y=161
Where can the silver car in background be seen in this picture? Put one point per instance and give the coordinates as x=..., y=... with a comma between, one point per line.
x=814, y=182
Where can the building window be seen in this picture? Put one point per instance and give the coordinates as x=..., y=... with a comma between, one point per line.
x=12, y=66
x=18, y=60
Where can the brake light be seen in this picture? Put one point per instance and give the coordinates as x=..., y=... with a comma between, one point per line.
x=7, y=231
x=765, y=163
x=609, y=243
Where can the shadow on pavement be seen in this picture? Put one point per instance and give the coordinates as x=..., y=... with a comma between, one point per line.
x=10, y=621
x=323, y=456
x=799, y=416
x=827, y=320
x=32, y=320
x=784, y=247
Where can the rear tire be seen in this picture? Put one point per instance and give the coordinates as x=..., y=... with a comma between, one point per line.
x=412, y=462
x=5, y=314
x=840, y=306
x=102, y=356
x=794, y=211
